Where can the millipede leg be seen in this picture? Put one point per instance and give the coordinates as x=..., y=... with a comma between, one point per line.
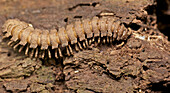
x=95, y=44
x=60, y=53
x=39, y=54
x=80, y=45
x=84, y=45
x=71, y=51
x=76, y=47
x=68, y=53
x=124, y=34
x=90, y=42
x=104, y=40
x=120, y=45
x=26, y=51
x=130, y=31
x=20, y=49
x=16, y=46
x=32, y=53
x=56, y=55
x=108, y=40
x=127, y=33
x=10, y=42
x=111, y=40
x=93, y=39
x=43, y=54
x=98, y=41
x=49, y=53
x=4, y=37
x=36, y=53
x=86, y=42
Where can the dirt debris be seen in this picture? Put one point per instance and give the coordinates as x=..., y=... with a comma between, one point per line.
x=16, y=86
x=37, y=87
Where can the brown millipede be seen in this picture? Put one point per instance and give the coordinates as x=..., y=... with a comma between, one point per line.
x=78, y=35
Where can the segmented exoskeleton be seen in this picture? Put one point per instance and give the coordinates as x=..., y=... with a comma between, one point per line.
x=78, y=35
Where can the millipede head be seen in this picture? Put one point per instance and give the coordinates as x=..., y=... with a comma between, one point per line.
x=8, y=23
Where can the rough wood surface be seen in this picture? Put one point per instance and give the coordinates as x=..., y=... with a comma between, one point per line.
x=139, y=65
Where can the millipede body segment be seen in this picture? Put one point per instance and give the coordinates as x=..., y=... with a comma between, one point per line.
x=59, y=42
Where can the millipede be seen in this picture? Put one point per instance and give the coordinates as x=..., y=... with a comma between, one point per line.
x=63, y=40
